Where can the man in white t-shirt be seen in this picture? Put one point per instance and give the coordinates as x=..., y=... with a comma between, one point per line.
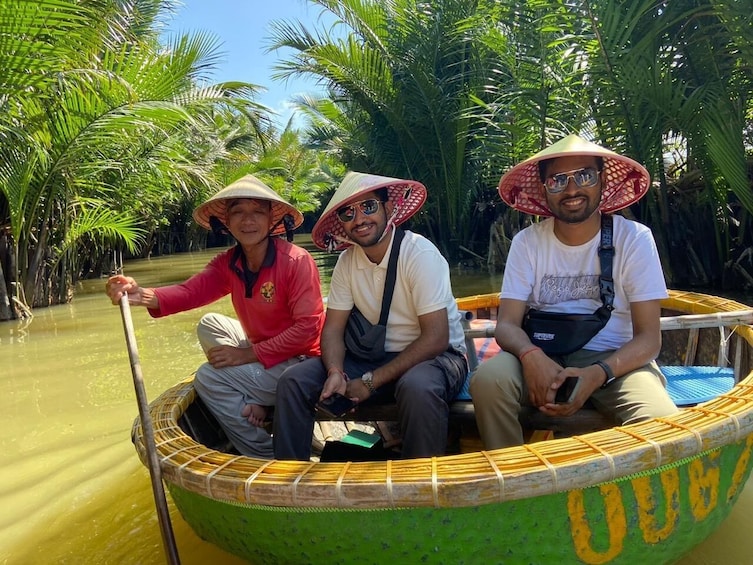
x=553, y=266
x=424, y=365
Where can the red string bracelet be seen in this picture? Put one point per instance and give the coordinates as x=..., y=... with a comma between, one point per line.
x=527, y=351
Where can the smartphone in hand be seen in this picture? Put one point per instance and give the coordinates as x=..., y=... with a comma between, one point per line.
x=336, y=405
x=566, y=390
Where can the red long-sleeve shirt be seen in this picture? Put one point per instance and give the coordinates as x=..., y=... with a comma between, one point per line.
x=284, y=315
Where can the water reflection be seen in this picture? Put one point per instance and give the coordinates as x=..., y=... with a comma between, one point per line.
x=71, y=487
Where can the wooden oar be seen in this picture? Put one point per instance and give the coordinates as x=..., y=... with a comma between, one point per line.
x=158, y=489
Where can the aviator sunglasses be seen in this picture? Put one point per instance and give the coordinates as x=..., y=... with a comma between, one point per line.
x=367, y=208
x=584, y=178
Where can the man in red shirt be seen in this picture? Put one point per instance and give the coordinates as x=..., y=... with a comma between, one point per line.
x=276, y=293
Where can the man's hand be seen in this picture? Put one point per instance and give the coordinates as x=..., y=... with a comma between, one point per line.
x=540, y=372
x=357, y=390
x=227, y=356
x=336, y=383
x=590, y=379
x=117, y=285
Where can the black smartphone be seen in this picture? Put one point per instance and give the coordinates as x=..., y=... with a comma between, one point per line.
x=566, y=390
x=336, y=405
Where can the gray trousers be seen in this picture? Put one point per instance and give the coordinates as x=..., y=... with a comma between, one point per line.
x=422, y=393
x=498, y=391
x=227, y=390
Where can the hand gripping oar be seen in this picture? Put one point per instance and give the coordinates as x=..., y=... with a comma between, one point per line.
x=158, y=489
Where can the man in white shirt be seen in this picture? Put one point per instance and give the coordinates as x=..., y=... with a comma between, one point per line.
x=424, y=364
x=553, y=266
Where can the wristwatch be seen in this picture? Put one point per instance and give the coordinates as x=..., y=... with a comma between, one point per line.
x=368, y=380
x=608, y=372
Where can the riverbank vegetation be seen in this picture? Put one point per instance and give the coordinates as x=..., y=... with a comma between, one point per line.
x=112, y=134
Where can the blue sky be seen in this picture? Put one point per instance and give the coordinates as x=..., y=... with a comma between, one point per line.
x=242, y=28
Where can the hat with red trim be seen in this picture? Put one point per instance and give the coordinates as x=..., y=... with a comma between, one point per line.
x=625, y=181
x=407, y=197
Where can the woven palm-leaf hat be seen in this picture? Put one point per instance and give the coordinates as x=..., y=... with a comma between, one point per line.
x=247, y=187
x=625, y=180
x=407, y=197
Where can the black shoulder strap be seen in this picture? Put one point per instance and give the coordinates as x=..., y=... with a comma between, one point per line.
x=389, y=283
x=606, y=254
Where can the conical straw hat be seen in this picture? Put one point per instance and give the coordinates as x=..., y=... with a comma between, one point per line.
x=247, y=187
x=407, y=196
x=626, y=181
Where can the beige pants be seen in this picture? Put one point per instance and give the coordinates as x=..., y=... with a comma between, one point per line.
x=498, y=391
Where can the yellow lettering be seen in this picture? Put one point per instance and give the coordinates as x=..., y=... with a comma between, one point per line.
x=581, y=531
x=647, y=507
x=740, y=469
x=704, y=486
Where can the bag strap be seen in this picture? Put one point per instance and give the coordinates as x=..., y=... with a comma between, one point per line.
x=389, y=283
x=606, y=254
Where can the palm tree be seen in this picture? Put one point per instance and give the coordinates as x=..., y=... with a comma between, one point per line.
x=101, y=124
x=453, y=93
x=405, y=75
x=677, y=74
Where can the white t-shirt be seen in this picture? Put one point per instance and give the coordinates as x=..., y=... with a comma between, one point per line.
x=554, y=277
x=422, y=286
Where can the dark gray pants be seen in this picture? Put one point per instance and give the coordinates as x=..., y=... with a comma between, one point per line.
x=422, y=394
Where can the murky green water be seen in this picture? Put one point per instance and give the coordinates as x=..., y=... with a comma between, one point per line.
x=72, y=489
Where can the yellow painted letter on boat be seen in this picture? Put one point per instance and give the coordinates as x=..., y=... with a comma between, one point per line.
x=581, y=531
x=740, y=469
x=704, y=486
x=647, y=507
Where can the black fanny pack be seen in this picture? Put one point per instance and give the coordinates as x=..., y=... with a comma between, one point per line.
x=561, y=334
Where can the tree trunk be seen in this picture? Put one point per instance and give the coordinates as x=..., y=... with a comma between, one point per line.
x=6, y=312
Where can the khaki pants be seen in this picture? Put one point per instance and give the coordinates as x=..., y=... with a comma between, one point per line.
x=498, y=391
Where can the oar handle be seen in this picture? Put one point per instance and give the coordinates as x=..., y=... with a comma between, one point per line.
x=155, y=471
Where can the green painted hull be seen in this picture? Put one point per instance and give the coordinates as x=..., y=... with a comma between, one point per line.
x=657, y=516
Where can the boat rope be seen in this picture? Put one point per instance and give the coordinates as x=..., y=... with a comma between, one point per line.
x=689, y=429
x=648, y=440
x=178, y=451
x=434, y=482
x=389, y=482
x=604, y=453
x=547, y=463
x=500, y=476
x=735, y=420
x=210, y=476
x=252, y=478
x=339, y=484
x=298, y=480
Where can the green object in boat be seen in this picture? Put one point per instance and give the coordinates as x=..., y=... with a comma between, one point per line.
x=362, y=439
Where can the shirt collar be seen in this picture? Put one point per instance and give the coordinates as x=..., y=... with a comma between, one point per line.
x=247, y=276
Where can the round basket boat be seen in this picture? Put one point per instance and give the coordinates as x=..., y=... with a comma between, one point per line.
x=656, y=488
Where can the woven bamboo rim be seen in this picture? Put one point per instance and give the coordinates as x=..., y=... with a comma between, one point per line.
x=470, y=479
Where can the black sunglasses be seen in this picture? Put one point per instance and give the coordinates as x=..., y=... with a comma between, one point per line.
x=367, y=208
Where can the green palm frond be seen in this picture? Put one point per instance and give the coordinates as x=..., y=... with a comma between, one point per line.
x=94, y=219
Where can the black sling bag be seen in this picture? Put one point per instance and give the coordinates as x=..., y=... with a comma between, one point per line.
x=362, y=338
